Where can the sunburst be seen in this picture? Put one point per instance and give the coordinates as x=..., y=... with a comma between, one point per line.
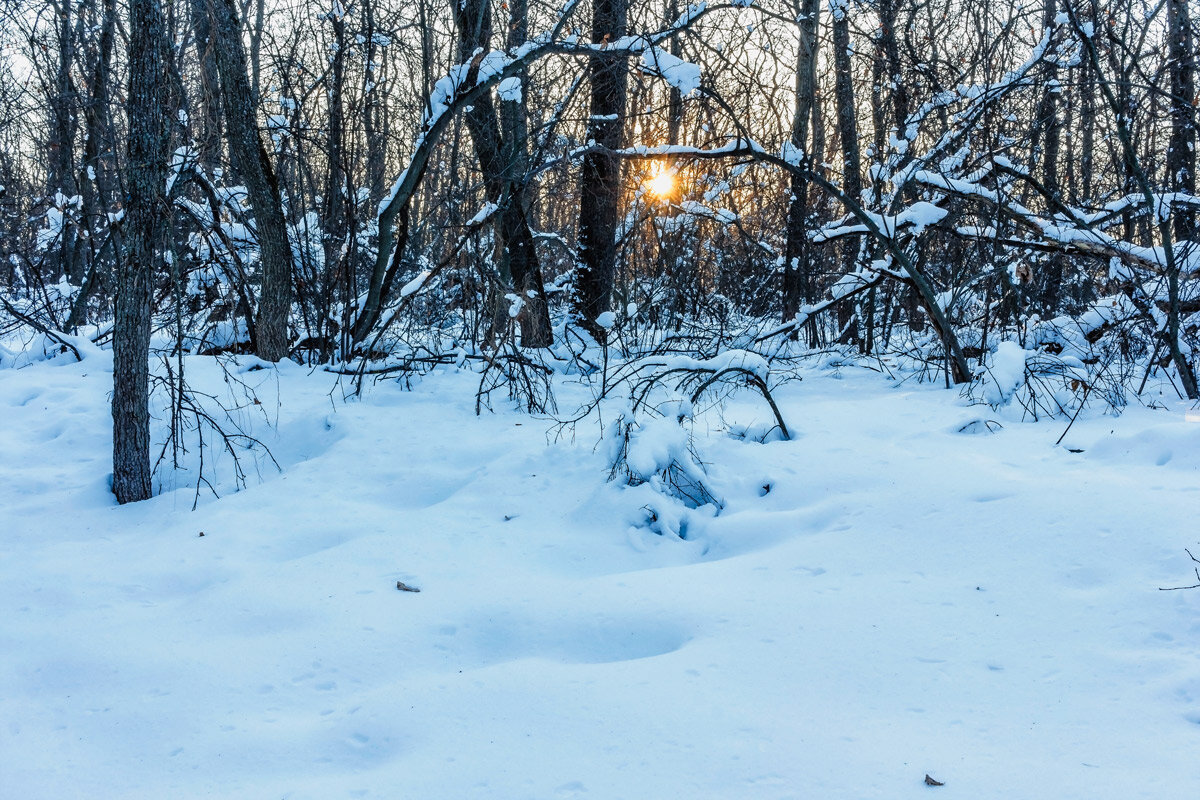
x=661, y=183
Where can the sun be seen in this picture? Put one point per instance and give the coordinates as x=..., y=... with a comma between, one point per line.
x=661, y=183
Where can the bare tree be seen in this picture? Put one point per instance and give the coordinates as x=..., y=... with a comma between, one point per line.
x=502, y=162
x=1181, y=150
x=599, y=188
x=253, y=164
x=796, y=277
x=148, y=149
x=847, y=123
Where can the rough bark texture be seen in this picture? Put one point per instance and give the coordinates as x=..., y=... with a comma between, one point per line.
x=796, y=280
x=674, y=96
x=60, y=163
x=517, y=234
x=847, y=121
x=97, y=183
x=335, y=220
x=1046, y=142
x=252, y=163
x=846, y=111
x=208, y=127
x=374, y=112
x=501, y=156
x=148, y=150
x=1181, y=152
x=600, y=178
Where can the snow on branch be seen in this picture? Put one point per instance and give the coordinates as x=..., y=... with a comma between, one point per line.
x=462, y=85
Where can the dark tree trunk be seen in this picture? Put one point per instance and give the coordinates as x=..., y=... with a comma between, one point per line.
x=60, y=165
x=888, y=14
x=1181, y=151
x=253, y=164
x=1046, y=143
x=891, y=73
x=797, y=282
x=1087, y=122
x=600, y=178
x=674, y=96
x=502, y=162
x=517, y=236
x=847, y=120
x=846, y=110
x=335, y=221
x=374, y=113
x=97, y=181
x=337, y=239
x=1181, y=169
x=148, y=150
x=208, y=128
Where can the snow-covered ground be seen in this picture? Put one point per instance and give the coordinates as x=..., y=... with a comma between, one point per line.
x=904, y=600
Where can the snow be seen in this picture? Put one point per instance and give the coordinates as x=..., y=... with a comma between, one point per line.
x=916, y=217
x=515, y=304
x=744, y=360
x=1005, y=374
x=678, y=73
x=509, y=90
x=880, y=598
x=414, y=286
x=921, y=215
x=850, y=282
x=721, y=215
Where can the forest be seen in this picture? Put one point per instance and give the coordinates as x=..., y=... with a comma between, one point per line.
x=632, y=290
x=353, y=185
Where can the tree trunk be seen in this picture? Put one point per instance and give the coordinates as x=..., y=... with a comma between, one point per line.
x=600, y=178
x=97, y=180
x=797, y=282
x=1046, y=141
x=254, y=166
x=374, y=112
x=335, y=223
x=847, y=120
x=674, y=96
x=148, y=150
x=502, y=161
x=60, y=165
x=517, y=236
x=208, y=129
x=1181, y=151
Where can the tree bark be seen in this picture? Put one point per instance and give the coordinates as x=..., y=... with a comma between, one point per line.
x=335, y=223
x=253, y=164
x=1046, y=142
x=501, y=158
x=796, y=278
x=600, y=178
x=517, y=236
x=97, y=181
x=148, y=151
x=60, y=164
x=1181, y=150
x=374, y=111
x=208, y=130
x=847, y=120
